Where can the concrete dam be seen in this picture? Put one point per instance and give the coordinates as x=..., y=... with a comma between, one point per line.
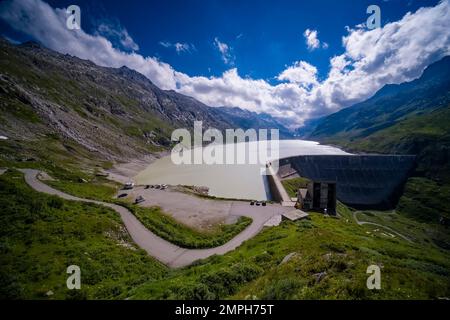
x=362, y=181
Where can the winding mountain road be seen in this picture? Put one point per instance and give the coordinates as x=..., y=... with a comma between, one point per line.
x=166, y=252
x=378, y=225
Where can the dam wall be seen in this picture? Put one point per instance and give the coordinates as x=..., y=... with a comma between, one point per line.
x=274, y=190
x=277, y=190
x=362, y=181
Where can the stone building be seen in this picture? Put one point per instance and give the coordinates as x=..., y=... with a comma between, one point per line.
x=319, y=196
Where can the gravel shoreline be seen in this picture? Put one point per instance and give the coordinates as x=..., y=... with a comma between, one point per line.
x=125, y=172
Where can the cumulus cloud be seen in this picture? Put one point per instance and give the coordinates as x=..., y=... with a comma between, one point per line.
x=178, y=46
x=300, y=72
x=397, y=52
x=232, y=90
x=312, y=41
x=225, y=51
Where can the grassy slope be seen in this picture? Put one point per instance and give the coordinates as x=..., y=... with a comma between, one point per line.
x=62, y=159
x=427, y=136
x=338, y=247
x=42, y=235
x=97, y=188
x=425, y=233
x=292, y=185
x=425, y=200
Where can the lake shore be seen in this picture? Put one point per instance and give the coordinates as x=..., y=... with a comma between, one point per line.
x=126, y=171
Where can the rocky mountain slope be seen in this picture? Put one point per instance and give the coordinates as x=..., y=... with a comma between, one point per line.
x=113, y=114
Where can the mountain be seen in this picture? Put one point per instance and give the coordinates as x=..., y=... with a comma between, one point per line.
x=56, y=100
x=408, y=118
x=308, y=127
x=246, y=119
x=390, y=105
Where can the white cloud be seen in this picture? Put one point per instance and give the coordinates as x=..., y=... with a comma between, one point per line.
x=179, y=47
x=47, y=25
x=397, y=52
x=116, y=33
x=300, y=72
x=312, y=41
x=165, y=44
x=232, y=90
x=225, y=51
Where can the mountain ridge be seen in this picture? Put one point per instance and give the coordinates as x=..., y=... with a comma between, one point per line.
x=247, y=119
x=434, y=79
x=115, y=114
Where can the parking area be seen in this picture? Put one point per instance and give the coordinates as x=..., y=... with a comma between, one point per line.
x=200, y=213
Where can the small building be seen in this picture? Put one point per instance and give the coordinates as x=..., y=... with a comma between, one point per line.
x=319, y=195
x=304, y=199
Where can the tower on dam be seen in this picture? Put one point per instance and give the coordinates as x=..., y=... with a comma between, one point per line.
x=318, y=196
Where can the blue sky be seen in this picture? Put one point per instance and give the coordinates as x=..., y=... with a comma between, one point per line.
x=265, y=64
x=264, y=35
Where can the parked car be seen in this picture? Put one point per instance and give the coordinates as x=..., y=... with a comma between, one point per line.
x=122, y=195
x=252, y=203
x=258, y=203
x=264, y=203
x=139, y=199
x=147, y=187
x=128, y=186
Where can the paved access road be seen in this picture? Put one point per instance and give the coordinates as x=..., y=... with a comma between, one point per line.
x=164, y=251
